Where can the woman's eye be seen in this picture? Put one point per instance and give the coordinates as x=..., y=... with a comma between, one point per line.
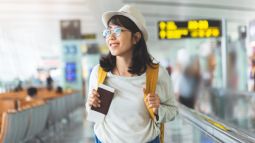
x=117, y=30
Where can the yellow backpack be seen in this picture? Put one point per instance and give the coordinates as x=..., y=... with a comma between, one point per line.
x=151, y=83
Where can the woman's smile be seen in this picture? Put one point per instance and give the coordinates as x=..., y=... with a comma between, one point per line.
x=114, y=44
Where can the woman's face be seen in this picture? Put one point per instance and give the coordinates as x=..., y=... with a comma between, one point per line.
x=119, y=40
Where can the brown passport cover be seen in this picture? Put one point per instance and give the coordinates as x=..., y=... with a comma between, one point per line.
x=105, y=98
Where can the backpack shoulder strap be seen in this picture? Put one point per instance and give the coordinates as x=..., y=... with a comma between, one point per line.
x=151, y=84
x=101, y=75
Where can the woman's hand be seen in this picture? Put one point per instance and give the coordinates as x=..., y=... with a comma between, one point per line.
x=94, y=99
x=153, y=101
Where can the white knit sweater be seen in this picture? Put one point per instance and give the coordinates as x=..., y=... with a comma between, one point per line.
x=128, y=120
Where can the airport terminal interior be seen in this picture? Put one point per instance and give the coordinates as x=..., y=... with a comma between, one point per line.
x=48, y=49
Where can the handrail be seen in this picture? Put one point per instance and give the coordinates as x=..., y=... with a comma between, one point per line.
x=214, y=128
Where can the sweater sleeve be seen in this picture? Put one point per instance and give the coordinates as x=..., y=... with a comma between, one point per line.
x=168, y=104
x=92, y=83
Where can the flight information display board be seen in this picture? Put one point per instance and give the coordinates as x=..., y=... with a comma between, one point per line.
x=189, y=29
x=70, y=71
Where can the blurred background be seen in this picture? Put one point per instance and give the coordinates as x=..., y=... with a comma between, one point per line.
x=208, y=48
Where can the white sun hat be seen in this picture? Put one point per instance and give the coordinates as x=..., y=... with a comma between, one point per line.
x=132, y=13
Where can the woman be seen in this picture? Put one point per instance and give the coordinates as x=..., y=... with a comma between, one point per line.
x=128, y=119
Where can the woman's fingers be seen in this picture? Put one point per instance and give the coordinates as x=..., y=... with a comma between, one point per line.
x=95, y=102
x=94, y=99
x=153, y=100
x=95, y=93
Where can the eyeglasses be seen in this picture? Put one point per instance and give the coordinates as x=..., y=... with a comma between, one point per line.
x=116, y=31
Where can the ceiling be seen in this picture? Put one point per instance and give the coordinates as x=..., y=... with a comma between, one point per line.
x=38, y=12
x=29, y=29
x=45, y=13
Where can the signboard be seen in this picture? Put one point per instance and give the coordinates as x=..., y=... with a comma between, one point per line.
x=88, y=36
x=70, y=72
x=72, y=69
x=189, y=29
x=70, y=29
x=70, y=50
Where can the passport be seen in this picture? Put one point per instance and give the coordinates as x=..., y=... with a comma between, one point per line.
x=97, y=114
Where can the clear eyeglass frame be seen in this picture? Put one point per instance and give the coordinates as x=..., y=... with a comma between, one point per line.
x=116, y=31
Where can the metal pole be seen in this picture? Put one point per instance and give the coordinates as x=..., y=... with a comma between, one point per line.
x=224, y=53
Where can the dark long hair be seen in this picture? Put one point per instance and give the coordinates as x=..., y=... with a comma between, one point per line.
x=140, y=56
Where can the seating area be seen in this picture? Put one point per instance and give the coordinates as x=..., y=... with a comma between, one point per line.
x=22, y=120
